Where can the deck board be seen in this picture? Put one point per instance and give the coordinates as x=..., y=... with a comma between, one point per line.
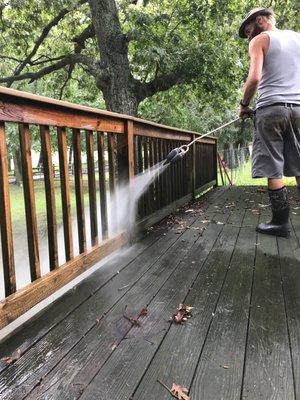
x=241, y=343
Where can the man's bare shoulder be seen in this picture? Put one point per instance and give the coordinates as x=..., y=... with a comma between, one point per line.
x=260, y=41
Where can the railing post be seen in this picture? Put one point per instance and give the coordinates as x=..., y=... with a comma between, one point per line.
x=193, y=168
x=125, y=157
x=215, y=155
x=125, y=154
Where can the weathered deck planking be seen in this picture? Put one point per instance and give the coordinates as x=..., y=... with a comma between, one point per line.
x=268, y=364
x=289, y=253
x=241, y=343
x=177, y=357
x=64, y=336
x=222, y=357
x=93, y=351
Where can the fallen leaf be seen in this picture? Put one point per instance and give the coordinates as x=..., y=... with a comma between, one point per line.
x=143, y=312
x=114, y=344
x=217, y=222
x=184, y=312
x=14, y=357
x=179, y=392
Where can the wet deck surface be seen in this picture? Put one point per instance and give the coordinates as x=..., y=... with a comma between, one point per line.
x=242, y=342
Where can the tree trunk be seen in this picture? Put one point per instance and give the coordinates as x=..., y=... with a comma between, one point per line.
x=18, y=166
x=115, y=80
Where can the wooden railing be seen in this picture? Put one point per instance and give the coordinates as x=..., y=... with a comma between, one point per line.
x=115, y=147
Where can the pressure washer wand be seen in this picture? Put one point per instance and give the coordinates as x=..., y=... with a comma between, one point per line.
x=178, y=153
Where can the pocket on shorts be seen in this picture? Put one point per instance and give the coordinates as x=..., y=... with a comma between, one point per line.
x=296, y=127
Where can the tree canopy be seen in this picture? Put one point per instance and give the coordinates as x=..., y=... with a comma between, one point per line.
x=178, y=62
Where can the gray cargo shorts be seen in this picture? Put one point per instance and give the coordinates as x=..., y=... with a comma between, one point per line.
x=276, y=143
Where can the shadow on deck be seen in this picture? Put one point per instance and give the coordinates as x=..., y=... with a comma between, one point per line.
x=242, y=342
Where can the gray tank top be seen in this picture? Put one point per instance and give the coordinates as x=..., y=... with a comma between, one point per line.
x=280, y=81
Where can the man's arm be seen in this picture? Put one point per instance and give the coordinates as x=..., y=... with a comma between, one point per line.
x=256, y=52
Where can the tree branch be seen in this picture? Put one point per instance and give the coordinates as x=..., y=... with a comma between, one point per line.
x=162, y=83
x=10, y=58
x=79, y=40
x=47, y=59
x=69, y=75
x=42, y=37
x=67, y=60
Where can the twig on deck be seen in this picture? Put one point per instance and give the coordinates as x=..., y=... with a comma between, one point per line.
x=166, y=387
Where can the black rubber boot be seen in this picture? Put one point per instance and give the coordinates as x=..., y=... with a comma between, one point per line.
x=279, y=225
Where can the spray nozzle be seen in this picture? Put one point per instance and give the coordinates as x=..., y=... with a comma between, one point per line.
x=176, y=154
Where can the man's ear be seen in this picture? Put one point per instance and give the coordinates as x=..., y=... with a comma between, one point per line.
x=259, y=19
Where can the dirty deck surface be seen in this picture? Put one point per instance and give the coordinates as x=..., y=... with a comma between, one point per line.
x=242, y=341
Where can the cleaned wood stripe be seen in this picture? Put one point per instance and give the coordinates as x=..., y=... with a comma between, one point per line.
x=18, y=303
x=50, y=195
x=43, y=114
x=5, y=218
x=65, y=192
x=102, y=184
x=29, y=198
x=79, y=190
x=92, y=186
x=129, y=129
x=112, y=163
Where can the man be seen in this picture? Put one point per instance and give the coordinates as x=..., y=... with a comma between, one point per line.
x=275, y=73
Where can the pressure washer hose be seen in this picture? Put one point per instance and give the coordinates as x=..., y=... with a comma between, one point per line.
x=179, y=152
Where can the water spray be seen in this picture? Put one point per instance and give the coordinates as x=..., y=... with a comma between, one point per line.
x=178, y=153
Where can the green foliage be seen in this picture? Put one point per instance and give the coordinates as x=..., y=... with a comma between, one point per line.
x=197, y=36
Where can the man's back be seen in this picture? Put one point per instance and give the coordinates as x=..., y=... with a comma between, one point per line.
x=281, y=70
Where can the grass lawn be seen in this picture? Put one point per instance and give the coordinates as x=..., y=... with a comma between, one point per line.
x=243, y=177
x=18, y=208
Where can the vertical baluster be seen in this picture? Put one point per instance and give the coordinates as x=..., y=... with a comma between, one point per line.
x=130, y=139
x=92, y=186
x=5, y=218
x=172, y=186
x=50, y=196
x=112, y=178
x=29, y=199
x=163, y=175
x=147, y=165
x=112, y=163
x=65, y=192
x=141, y=203
x=166, y=172
x=102, y=186
x=151, y=163
x=182, y=177
x=169, y=173
x=79, y=190
x=158, y=179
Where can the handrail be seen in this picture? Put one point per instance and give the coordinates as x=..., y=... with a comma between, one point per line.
x=116, y=148
x=18, y=94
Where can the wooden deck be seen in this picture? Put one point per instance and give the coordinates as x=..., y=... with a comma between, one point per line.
x=242, y=342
